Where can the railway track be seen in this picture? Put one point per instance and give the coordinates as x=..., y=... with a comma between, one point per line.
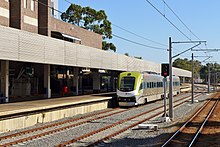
x=188, y=134
x=121, y=130
x=85, y=119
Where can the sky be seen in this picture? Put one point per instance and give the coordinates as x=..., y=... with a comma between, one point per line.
x=201, y=20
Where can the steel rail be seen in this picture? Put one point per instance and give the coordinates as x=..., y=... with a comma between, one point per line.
x=53, y=125
x=57, y=124
x=117, y=123
x=63, y=128
x=184, y=125
x=131, y=126
x=203, y=124
x=59, y=129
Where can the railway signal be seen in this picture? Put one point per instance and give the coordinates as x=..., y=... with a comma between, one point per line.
x=165, y=70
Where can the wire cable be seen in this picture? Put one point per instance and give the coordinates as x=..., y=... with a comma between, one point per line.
x=158, y=48
x=171, y=21
x=137, y=43
x=139, y=35
x=131, y=32
x=168, y=20
x=180, y=19
x=182, y=23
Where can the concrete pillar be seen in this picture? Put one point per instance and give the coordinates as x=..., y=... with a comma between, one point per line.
x=76, y=80
x=96, y=81
x=47, y=81
x=5, y=79
x=184, y=80
x=112, y=82
x=68, y=77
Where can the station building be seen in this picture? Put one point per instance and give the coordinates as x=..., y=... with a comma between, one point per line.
x=42, y=56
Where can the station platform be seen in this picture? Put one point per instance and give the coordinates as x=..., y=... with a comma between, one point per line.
x=19, y=115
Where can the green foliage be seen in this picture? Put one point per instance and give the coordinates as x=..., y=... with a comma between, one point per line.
x=126, y=54
x=107, y=46
x=187, y=65
x=73, y=14
x=199, y=69
x=214, y=69
x=138, y=57
x=90, y=19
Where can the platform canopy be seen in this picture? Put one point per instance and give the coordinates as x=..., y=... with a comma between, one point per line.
x=18, y=45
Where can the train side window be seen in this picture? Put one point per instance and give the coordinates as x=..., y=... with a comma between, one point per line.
x=141, y=86
x=148, y=85
x=159, y=84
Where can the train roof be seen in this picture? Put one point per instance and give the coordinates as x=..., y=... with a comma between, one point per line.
x=146, y=73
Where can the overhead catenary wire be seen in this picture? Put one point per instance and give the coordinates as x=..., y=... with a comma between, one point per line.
x=137, y=43
x=172, y=22
x=135, y=34
x=139, y=35
x=48, y=6
x=180, y=20
x=131, y=41
x=125, y=39
x=168, y=20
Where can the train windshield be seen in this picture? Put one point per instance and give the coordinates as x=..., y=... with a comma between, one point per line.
x=127, y=84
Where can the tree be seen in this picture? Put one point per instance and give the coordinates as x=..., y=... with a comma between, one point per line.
x=126, y=54
x=187, y=65
x=90, y=19
x=107, y=46
x=214, y=70
x=138, y=57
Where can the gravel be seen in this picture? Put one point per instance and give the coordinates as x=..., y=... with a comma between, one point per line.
x=132, y=137
x=142, y=137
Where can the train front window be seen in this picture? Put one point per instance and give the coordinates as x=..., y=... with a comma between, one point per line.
x=127, y=84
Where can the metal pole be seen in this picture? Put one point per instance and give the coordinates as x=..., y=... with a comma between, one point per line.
x=165, y=90
x=171, y=114
x=192, y=80
x=208, y=78
x=216, y=81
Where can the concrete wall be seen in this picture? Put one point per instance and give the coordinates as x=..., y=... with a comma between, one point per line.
x=30, y=120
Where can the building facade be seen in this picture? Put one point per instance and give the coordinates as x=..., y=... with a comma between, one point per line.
x=41, y=56
x=4, y=12
x=42, y=17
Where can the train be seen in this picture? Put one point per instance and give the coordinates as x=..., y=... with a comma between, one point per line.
x=135, y=88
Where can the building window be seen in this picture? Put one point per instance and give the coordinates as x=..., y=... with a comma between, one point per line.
x=25, y=3
x=52, y=9
x=32, y=5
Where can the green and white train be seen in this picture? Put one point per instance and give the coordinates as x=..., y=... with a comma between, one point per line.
x=136, y=88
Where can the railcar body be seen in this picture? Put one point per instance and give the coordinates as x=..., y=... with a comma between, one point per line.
x=135, y=88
